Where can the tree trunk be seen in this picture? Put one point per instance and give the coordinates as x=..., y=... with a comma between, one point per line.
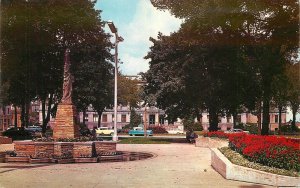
x=44, y=116
x=266, y=117
x=47, y=118
x=99, y=118
x=27, y=106
x=259, y=119
x=16, y=117
x=213, y=119
x=23, y=115
x=279, y=118
x=234, y=116
x=294, y=112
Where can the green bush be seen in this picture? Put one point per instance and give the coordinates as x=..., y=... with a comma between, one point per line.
x=17, y=134
x=158, y=130
x=190, y=124
x=289, y=129
x=251, y=127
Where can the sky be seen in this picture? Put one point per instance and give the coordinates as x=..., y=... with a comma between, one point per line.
x=136, y=20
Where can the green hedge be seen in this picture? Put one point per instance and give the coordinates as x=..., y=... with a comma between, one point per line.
x=16, y=134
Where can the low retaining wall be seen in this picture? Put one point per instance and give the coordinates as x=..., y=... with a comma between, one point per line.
x=207, y=142
x=42, y=151
x=5, y=140
x=234, y=172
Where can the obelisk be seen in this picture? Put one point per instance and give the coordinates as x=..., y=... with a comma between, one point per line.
x=65, y=124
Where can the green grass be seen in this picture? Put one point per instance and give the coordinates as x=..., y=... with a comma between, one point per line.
x=238, y=159
x=200, y=133
x=142, y=140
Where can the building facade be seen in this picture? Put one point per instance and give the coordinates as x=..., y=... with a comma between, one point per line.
x=153, y=116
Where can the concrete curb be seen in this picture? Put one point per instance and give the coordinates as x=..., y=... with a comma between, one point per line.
x=207, y=142
x=234, y=172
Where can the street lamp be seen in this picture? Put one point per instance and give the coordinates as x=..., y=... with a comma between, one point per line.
x=114, y=30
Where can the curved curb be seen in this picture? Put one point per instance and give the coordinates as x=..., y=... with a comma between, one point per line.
x=234, y=172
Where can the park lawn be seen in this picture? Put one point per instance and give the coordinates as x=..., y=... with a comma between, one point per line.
x=142, y=140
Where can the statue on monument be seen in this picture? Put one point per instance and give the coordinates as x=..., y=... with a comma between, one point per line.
x=68, y=80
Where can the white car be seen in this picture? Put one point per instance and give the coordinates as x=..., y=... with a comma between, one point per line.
x=175, y=131
x=105, y=131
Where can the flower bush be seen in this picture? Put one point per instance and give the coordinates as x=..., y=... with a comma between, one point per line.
x=158, y=130
x=218, y=134
x=271, y=151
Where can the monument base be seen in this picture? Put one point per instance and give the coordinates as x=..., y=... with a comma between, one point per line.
x=65, y=122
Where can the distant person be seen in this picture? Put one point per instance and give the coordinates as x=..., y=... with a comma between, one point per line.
x=188, y=134
x=94, y=133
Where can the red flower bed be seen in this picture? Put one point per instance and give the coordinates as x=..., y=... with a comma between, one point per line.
x=218, y=134
x=272, y=151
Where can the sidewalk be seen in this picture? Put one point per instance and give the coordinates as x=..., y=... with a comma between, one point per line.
x=175, y=165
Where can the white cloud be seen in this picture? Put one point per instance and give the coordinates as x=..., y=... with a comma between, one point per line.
x=148, y=21
x=133, y=65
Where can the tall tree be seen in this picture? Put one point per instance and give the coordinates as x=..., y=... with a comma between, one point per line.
x=265, y=34
x=129, y=92
x=293, y=72
x=34, y=60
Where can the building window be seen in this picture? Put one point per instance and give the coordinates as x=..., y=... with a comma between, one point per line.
x=161, y=119
x=95, y=117
x=276, y=118
x=228, y=119
x=151, y=119
x=123, y=118
x=8, y=111
x=104, y=118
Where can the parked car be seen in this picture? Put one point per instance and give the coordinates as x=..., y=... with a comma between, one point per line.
x=176, y=131
x=18, y=134
x=104, y=131
x=139, y=131
x=34, y=129
x=236, y=131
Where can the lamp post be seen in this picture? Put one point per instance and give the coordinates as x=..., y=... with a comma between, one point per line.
x=118, y=39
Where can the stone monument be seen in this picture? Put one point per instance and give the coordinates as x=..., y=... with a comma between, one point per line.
x=65, y=124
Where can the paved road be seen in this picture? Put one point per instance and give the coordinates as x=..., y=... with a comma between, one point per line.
x=175, y=165
x=154, y=136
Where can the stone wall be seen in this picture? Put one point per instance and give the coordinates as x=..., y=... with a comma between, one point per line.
x=43, y=150
x=65, y=125
x=24, y=148
x=62, y=150
x=105, y=147
x=82, y=149
x=5, y=140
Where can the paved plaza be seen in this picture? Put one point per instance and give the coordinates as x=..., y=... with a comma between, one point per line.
x=174, y=165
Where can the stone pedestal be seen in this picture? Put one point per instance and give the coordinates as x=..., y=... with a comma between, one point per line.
x=65, y=122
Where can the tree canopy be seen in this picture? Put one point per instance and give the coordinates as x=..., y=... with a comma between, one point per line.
x=34, y=36
x=225, y=56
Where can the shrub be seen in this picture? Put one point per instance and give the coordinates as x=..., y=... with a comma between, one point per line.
x=252, y=128
x=17, y=134
x=289, y=129
x=190, y=124
x=279, y=152
x=158, y=130
x=217, y=134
